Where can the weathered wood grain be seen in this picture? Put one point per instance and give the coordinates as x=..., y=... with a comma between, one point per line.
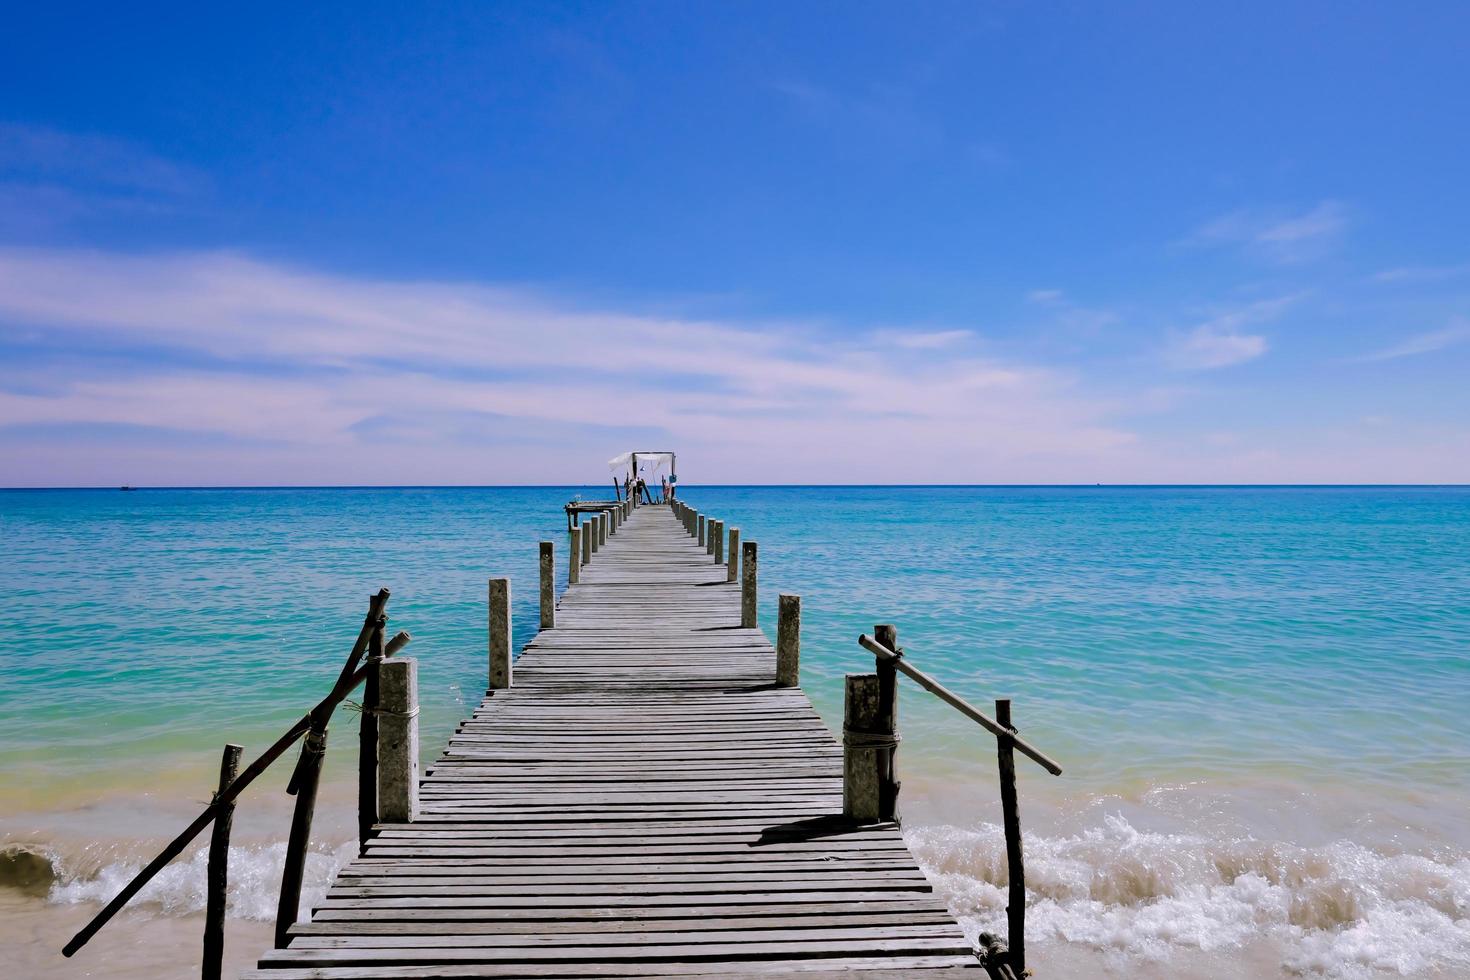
x=645, y=800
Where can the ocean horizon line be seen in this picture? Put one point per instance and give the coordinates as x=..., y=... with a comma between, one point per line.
x=754, y=486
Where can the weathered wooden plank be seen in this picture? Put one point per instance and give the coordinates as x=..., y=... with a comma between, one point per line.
x=643, y=801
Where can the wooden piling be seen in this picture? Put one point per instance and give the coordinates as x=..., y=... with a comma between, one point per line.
x=398, y=741
x=788, y=641
x=1015, y=862
x=702, y=532
x=860, y=748
x=367, y=739
x=574, y=551
x=500, y=665
x=747, y=585
x=590, y=533
x=732, y=570
x=218, y=875
x=586, y=543
x=718, y=550
x=887, y=671
x=995, y=958
x=548, y=585
x=307, y=778
x=712, y=531
x=602, y=525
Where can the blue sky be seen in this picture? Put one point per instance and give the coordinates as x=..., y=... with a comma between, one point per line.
x=796, y=242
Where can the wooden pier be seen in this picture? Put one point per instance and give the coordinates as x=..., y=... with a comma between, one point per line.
x=637, y=797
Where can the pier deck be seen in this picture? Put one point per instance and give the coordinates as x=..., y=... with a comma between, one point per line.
x=642, y=802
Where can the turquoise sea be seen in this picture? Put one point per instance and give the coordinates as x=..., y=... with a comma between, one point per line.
x=1261, y=695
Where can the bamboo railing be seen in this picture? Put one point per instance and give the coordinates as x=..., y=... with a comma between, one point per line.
x=366, y=664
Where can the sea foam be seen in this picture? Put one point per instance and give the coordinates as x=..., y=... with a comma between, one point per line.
x=1340, y=910
x=179, y=889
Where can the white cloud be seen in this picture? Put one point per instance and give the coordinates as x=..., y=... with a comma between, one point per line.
x=1207, y=347
x=1221, y=341
x=39, y=153
x=924, y=340
x=1413, y=274
x=311, y=368
x=1458, y=332
x=1275, y=235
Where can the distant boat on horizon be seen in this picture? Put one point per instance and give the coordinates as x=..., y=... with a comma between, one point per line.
x=126, y=487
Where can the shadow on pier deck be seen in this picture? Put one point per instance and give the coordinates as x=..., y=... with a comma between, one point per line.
x=642, y=801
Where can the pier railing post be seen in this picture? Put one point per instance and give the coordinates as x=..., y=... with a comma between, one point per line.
x=717, y=542
x=367, y=739
x=574, y=553
x=887, y=672
x=587, y=548
x=701, y=532
x=398, y=742
x=1015, y=861
x=732, y=570
x=593, y=528
x=860, y=741
x=500, y=666
x=788, y=641
x=602, y=524
x=747, y=584
x=218, y=875
x=306, y=779
x=710, y=530
x=548, y=585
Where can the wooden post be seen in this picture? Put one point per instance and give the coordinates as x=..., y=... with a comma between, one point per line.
x=702, y=532
x=717, y=543
x=859, y=754
x=602, y=523
x=710, y=531
x=591, y=533
x=500, y=667
x=1015, y=863
x=218, y=875
x=548, y=585
x=586, y=543
x=398, y=742
x=887, y=634
x=788, y=641
x=747, y=585
x=616, y=514
x=307, y=777
x=574, y=551
x=995, y=958
x=367, y=740
x=732, y=570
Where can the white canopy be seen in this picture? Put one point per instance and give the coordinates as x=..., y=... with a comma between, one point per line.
x=649, y=463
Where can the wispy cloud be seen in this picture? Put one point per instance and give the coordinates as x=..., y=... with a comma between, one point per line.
x=1221, y=341
x=1422, y=273
x=1279, y=236
x=42, y=154
x=1458, y=332
x=51, y=179
x=318, y=366
x=924, y=340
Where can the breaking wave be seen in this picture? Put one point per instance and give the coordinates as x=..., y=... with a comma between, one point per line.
x=1339, y=910
x=179, y=889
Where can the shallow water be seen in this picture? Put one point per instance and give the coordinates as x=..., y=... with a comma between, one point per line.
x=1259, y=694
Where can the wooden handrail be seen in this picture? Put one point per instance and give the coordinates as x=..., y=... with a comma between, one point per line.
x=959, y=704
x=351, y=676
